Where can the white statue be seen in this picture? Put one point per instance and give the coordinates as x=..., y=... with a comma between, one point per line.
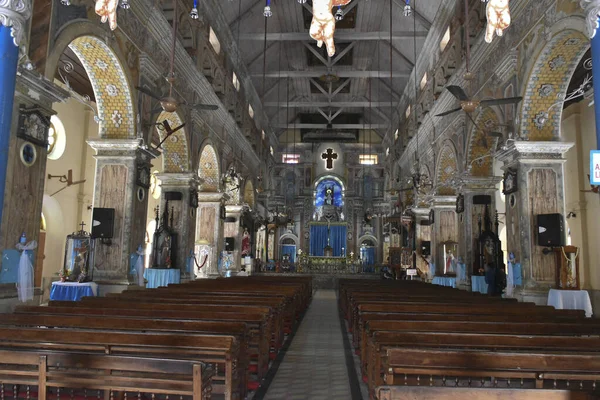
x=498, y=18
x=322, y=27
x=107, y=10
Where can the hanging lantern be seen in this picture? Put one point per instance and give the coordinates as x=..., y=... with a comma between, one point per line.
x=339, y=14
x=267, y=12
x=301, y=1
x=194, y=12
x=407, y=9
x=65, y=2
x=124, y=4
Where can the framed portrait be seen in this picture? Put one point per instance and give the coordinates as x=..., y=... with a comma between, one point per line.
x=194, y=198
x=142, y=178
x=460, y=203
x=510, y=182
x=33, y=127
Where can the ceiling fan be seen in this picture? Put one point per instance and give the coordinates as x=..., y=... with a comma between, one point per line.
x=170, y=103
x=167, y=128
x=468, y=104
x=68, y=179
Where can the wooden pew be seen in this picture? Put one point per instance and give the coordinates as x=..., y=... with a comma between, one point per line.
x=31, y=374
x=257, y=323
x=453, y=393
x=218, y=350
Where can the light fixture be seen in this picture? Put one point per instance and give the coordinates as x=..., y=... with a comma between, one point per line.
x=339, y=14
x=124, y=4
x=407, y=9
x=267, y=11
x=65, y=2
x=194, y=12
x=301, y=1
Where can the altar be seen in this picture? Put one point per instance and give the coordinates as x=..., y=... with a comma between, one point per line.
x=72, y=291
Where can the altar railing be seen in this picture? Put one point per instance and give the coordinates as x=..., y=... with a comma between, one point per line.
x=320, y=268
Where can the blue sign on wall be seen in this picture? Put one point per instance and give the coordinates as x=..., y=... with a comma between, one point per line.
x=595, y=167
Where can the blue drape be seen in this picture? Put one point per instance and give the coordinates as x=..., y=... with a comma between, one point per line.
x=318, y=240
x=338, y=239
x=289, y=249
x=368, y=255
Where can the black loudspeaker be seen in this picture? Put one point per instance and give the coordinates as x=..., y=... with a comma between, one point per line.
x=550, y=230
x=103, y=223
x=229, y=244
x=425, y=248
x=482, y=199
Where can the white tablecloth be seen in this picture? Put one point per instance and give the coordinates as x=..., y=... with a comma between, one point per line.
x=570, y=300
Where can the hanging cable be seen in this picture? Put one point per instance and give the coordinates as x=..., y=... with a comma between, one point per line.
x=264, y=61
x=415, y=112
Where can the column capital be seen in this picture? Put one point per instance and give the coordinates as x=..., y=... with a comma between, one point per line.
x=421, y=213
x=534, y=152
x=122, y=148
x=14, y=14
x=234, y=209
x=444, y=202
x=592, y=12
x=479, y=184
x=212, y=197
x=180, y=179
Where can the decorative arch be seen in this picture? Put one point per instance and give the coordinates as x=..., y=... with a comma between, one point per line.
x=175, y=148
x=480, y=161
x=447, y=168
x=548, y=81
x=331, y=176
x=108, y=78
x=290, y=236
x=208, y=169
x=366, y=237
x=249, y=193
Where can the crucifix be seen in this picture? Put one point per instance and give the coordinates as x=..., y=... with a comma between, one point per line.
x=329, y=156
x=82, y=225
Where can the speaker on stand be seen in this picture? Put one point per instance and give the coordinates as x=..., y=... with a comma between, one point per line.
x=103, y=224
x=550, y=230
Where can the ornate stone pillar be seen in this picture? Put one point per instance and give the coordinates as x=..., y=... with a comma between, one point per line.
x=209, y=232
x=540, y=190
x=181, y=186
x=119, y=184
x=232, y=229
x=592, y=10
x=14, y=15
x=469, y=220
x=444, y=228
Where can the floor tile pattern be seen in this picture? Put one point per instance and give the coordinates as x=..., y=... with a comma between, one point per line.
x=314, y=366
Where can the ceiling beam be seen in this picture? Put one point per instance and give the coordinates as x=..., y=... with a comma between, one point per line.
x=334, y=126
x=239, y=18
x=339, y=35
x=424, y=21
x=336, y=104
x=315, y=73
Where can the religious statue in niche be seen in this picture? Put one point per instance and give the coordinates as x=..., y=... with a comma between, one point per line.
x=164, y=248
x=498, y=18
x=329, y=201
x=322, y=27
x=246, y=250
x=489, y=247
x=329, y=196
x=78, y=257
x=450, y=262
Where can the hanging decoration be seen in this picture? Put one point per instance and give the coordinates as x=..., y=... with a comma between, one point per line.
x=407, y=9
x=322, y=27
x=498, y=18
x=267, y=11
x=194, y=12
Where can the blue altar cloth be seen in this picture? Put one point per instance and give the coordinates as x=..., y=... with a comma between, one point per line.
x=444, y=281
x=461, y=272
x=72, y=291
x=517, y=274
x=478, y=284
x=161, y=277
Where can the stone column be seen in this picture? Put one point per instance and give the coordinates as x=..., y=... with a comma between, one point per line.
x=540, y=190
x=232, y=229
x=209, y=232
x=423, y=234
x=184, y=213
x=444, y=207
x=469, y=220
x=118, y=163
x=13, y=30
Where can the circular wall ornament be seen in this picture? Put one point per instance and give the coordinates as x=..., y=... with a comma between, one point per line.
x=141, y=194
x=28, y=154
x=192, y=212
x=350, y=235
x=512, y=200
x=306, y=235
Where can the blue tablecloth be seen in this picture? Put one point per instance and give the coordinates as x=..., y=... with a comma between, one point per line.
x=444, y=281
x=461, y=272
x=161, y=277
x=478, y=284
x=72, y=291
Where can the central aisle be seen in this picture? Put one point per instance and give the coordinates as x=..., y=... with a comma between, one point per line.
x=314, y=367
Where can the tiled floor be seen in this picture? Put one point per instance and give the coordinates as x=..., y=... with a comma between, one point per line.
x=314, y=367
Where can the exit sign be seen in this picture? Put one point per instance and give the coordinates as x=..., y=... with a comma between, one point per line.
x=595, y=167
